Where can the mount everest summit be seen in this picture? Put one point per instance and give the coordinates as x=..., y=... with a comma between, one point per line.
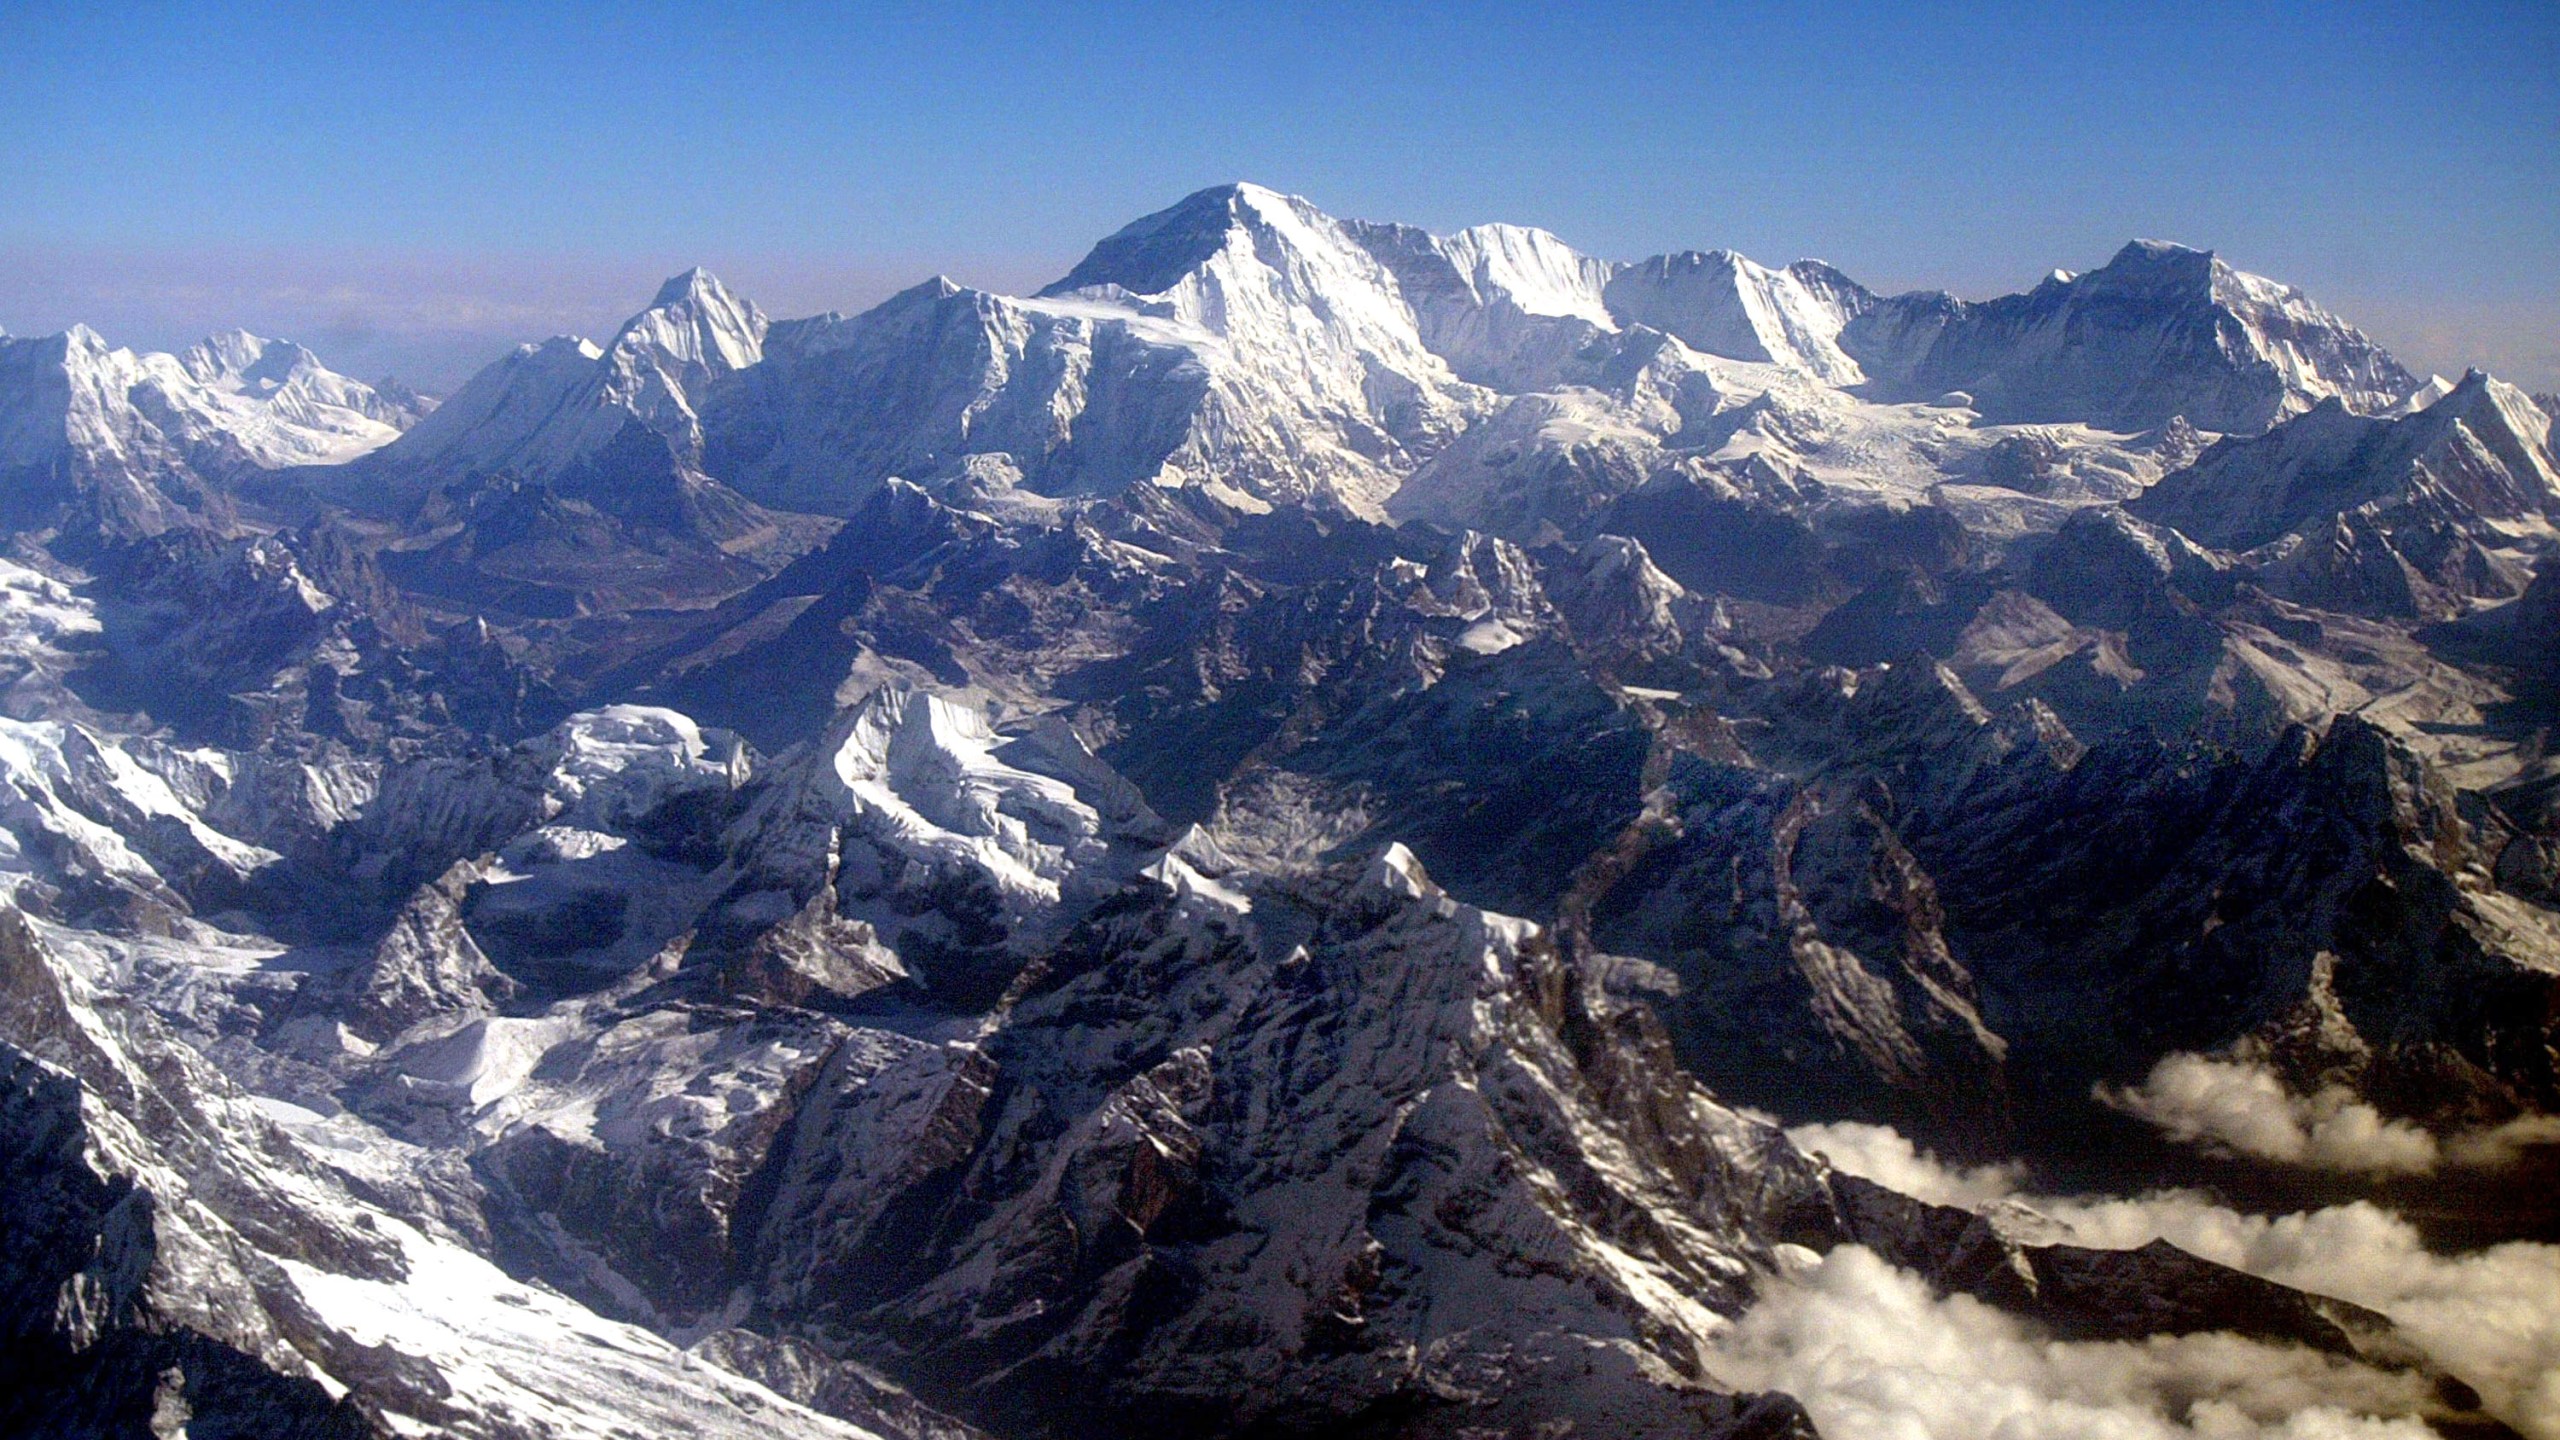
x=1317, y=829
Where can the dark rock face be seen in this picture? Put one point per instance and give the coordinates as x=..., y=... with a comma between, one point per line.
x=429, y=965
x=1966, y=918
x=1193, y=1098
x=864, y=875
x=2535, y=627
x=121, y=1320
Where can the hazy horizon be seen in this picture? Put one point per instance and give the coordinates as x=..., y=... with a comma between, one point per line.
x=416, y=193
x=433, y=321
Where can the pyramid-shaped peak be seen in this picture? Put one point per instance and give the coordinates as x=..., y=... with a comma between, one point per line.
x=1153, y=253
x=2143, y=248
x=1235, y=199
x=2152, y=264
x=695, y=318
x=2482, y=399
x=694, y=284
x=940, y=287
x=240, y=355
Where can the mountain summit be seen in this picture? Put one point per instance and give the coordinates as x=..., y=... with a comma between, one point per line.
x=135, y=443
x=1244, y=341
x=2159, y=331
x=1321, y=829
x=551, y=406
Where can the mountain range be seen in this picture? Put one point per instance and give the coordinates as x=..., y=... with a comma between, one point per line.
x=1318, y=829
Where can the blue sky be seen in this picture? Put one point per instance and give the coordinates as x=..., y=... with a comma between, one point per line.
x=411, y=187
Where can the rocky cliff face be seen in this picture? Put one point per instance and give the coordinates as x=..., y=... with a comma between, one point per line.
x=1267, y=839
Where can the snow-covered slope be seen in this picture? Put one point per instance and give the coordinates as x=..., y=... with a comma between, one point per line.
x=1240, y=339
x=1723, y=304
x=547, y=407
x=942, y=380
x=1507, y=306
x=145, y=441
x=2484, y=443
x=963, y=850
x=181, y=1262
x=2159, y=331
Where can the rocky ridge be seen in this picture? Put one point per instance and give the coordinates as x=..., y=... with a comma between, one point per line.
x=1258, y=837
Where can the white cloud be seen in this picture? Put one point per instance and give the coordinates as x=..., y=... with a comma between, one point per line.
x=1880, y=1153
x=2502, y=1145
x=1874, y=1355
x=2245, y=1109
x=2491, y=1317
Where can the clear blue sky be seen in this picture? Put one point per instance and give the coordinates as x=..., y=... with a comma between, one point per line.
x=415, y=184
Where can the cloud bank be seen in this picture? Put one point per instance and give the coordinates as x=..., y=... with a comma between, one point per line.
x=1874, y=1355
x=2243, y=1108
x=2491, y=1318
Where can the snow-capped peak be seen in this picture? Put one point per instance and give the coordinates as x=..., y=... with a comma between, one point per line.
x=1303, y=321
x=2505, y=418
x=2161, y=330
x=685, y=285
x=1505, y=305
x=1533, y=270
x=1725, y=304
x=546, y=408
x=2314, y=353
x=2436, y=388
x=1153, y=253
x=697, y=320
x=142, y=434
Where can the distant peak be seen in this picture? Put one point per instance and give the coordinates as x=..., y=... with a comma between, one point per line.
x=237, y=349
x=2139, y=249
x=1702, y=259
x=240, y=355
x=1233, y=196
x=1152, y=253
x=561, y=345
x=401, y=392
x=692, y=284
x=2160, y=268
